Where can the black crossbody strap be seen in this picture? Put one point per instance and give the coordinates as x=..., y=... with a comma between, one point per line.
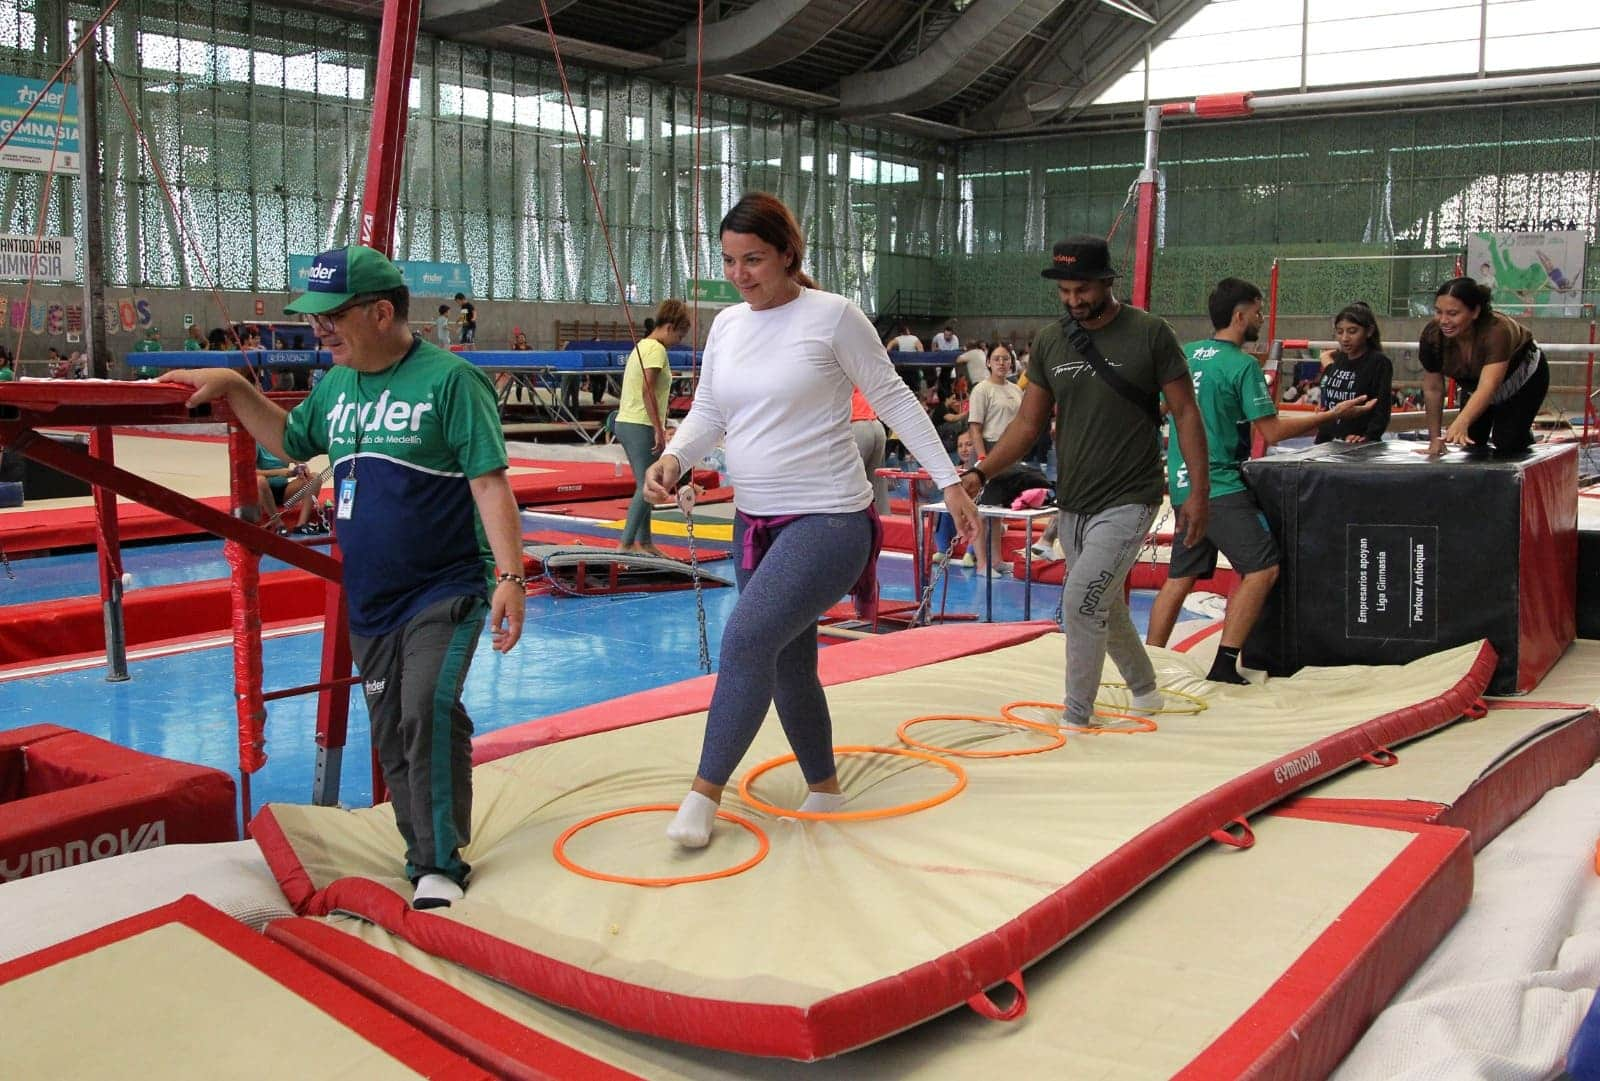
x=1147, y=402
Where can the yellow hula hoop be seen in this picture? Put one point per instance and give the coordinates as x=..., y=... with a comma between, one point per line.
x=1144, y=724
x=1200, y=704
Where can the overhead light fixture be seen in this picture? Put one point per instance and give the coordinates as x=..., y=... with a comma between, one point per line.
x=1127, y=7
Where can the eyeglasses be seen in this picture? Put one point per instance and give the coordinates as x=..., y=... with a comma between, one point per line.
x=324, y=322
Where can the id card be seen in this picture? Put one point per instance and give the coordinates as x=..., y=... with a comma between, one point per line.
x=347, y=499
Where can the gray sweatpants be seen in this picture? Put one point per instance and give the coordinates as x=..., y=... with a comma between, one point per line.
x=1100, y=550
x=423, y=737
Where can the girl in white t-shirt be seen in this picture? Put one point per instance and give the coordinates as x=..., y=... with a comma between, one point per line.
x=994, y=404
x=776, y=386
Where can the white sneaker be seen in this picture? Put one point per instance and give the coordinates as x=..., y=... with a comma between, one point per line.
x=1147, y=703
x=1040, y=548
x=968, y=560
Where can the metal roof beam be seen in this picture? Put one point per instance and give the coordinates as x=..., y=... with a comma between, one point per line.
x=977, y=41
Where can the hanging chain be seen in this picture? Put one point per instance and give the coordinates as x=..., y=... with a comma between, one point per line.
x=922, y=612
x=686, y=498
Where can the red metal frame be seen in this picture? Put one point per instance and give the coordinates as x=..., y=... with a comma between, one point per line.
x=397, y=49
x=26, y=406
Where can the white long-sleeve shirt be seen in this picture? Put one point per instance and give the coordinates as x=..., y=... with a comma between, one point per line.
x=776, y=384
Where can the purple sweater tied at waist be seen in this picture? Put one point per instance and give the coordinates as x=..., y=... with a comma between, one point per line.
x=761, y=530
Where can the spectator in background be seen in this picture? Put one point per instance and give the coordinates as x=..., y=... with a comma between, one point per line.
x=872, y=444
x=519, y=341
x=59, y=368
x=974, y=363
x=150, y=343
x=1357, y=369
x=217, y=340
x=946, y=341
x=468, y=320
x=252, y=339
x=904, y=341
x=7, y=373
x=994, y=405
x=441, y=327
x=194, y=341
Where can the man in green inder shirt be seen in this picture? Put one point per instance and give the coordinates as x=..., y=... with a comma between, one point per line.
x=433, y=514
x=1234, y=401
x=1107, y=441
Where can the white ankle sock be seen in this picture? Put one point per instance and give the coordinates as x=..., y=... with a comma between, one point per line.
x=1148, y=703
x=824, y=802
x=691, y=827
x=436, y=891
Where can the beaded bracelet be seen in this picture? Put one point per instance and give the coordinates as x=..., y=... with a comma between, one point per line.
x=517, y=578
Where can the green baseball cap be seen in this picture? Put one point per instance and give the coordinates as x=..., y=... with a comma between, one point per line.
x=339, y=276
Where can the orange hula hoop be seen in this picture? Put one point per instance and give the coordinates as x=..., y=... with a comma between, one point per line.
x=1145, y=724
x=559, y=849
x=748, y=781
x=1055, y=732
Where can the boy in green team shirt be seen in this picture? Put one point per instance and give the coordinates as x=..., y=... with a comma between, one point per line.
x=1234, y=401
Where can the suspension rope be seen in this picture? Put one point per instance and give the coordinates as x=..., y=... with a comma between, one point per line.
x=178, y=217
x=622, y=292
x=588, y=170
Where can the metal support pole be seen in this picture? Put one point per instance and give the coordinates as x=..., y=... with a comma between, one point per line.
x=1588, y=389
x=94, y=291
x=333, y=702
x=108, y=547
x=1144, y=229
x=1272, y=305
x=397, y=49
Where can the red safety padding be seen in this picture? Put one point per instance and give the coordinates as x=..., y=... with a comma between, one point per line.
x=55, y=630
x=866, y=658
x=505, y=1048
x=1500, y=796
x=1221, y=106
x=1547, y=570
x=82, y=798
x=347, y=1005
x=1311, y=1017
x=867, y=1013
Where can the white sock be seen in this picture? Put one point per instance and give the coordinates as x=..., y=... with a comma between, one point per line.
x=824, y=802
x=1148, y=703
x=691, y=827
x=436, y=891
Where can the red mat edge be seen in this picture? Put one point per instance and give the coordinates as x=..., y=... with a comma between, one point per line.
x=862, y=1015
x=370, y=1021
x=868, y=657
x=1493, y=801
x=499, y=1044
x=1314, y=1013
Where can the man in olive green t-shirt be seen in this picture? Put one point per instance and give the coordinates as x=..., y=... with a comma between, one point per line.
x=1108, y=446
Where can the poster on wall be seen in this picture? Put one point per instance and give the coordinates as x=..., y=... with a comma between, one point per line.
x=45, y=258
x=49, y=137
x=1530, y=273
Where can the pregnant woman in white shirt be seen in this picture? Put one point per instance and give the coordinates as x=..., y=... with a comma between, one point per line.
x=776, y=388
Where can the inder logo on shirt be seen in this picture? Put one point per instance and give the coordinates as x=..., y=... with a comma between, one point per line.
x=386, y=420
